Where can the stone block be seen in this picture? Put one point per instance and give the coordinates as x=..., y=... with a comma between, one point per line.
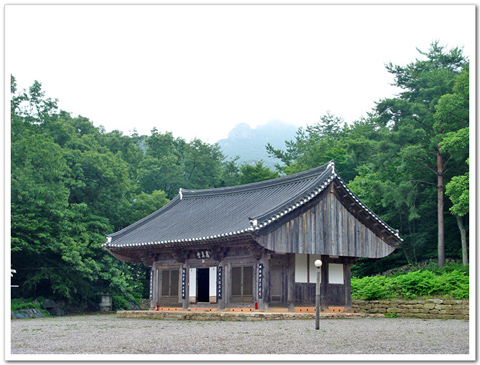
x=31, y=313
x=429, y=306
x=452, y=302
x=443, y=306
x=423, y=315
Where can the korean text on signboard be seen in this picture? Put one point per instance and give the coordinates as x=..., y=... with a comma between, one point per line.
x=203, y=254
x=219, y=283
x=260, y=281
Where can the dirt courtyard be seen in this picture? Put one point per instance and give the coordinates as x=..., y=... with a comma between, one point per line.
x=107, y=334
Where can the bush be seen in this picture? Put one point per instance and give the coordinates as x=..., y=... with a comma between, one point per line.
x=449, y=281
x=20, y=303
x=369, y=288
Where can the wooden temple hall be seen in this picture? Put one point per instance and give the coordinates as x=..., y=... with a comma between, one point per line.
x=256, y=244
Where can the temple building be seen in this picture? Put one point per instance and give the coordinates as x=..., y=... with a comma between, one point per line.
x=256, y=244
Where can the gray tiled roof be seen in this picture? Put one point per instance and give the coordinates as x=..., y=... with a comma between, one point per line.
x=200, y=215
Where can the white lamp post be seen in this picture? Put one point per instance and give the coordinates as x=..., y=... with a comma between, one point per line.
x=318, y=264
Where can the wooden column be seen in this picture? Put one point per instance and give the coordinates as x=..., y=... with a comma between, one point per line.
x=221, y=302
x=291, y=282
x=266, y=283
x=153, y=301
x=262, y=302
x=227, y=280
x=324, y=283
x=184, y=300
x=347, y=275
x=158, y=283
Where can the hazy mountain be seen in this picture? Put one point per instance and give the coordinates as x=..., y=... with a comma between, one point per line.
x=249, y=143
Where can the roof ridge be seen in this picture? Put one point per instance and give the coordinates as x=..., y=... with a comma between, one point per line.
x=282, y=180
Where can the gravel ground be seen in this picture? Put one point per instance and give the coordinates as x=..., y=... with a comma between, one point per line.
x=107, y=334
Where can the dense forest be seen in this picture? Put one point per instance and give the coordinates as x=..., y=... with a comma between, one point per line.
x=73, y=183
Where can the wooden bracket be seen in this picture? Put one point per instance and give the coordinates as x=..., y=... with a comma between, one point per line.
x=256, y=251
x=180, y=255
x=218, y=252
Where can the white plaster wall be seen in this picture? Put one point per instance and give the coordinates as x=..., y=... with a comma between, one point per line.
x=301, y=274
x=335, y=273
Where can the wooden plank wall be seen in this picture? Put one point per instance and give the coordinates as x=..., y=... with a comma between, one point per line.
x=324, y=227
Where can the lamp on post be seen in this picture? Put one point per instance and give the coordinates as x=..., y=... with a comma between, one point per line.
x=318, y=265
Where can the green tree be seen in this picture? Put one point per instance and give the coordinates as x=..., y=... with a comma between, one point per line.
x=128, y=147
x=230, y=172
x=416, y=129
x=162, y=173
x=201, y=164
x=68, y=190
x=316, y=145
x=454, y=108
x=255, y=173
x=144, y=204
x=53, y=242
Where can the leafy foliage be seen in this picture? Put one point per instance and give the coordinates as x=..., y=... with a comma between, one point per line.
x=451, y=281
x=257, y=172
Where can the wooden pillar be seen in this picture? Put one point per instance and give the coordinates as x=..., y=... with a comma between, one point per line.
x=291, y=282
x=184, y=285
x=324, y=283
x=222, y=283
x=158, y=281
x=347, y=274
x=227, y=280
x=262, y=302
x=266, y=284
x=154, y=286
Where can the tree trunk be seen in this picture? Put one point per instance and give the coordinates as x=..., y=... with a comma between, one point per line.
x=463, y=235
x=441, y=238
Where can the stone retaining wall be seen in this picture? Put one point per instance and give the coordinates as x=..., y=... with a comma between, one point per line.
x=418, y=308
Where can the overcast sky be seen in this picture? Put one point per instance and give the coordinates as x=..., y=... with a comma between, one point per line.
x=198, y=70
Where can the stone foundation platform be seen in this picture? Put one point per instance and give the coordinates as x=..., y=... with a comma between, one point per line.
x=227, y=315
